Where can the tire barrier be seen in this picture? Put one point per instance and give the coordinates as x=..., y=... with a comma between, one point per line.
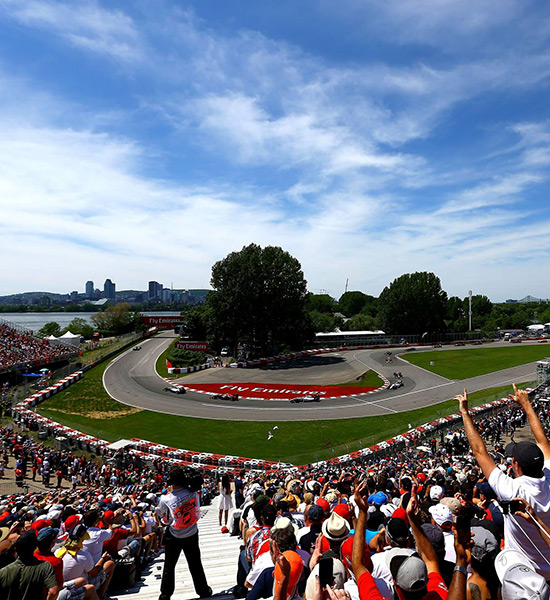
x=153, y=451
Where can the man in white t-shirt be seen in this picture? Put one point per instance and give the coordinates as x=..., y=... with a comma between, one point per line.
x=531, y=468
x=180, y=509
x=77, y=562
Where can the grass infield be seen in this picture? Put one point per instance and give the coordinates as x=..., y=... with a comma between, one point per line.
x=462, y=364
x=86, y=406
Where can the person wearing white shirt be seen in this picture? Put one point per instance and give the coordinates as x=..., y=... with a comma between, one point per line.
x=531, y=468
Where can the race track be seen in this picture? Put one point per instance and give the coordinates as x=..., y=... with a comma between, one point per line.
x=131, y=379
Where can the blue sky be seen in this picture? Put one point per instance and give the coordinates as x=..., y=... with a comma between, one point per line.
x=147, y=140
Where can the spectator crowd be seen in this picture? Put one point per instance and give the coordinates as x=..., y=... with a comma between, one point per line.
x=456, y=522
x=17, y=347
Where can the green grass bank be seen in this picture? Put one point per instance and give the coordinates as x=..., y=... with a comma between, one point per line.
x=471, y=362
x=86, y=406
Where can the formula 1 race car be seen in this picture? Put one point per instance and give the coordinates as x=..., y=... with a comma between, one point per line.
x=396, y=385
x=175, y=389
x=136, y=348
x=299, y=399
x=230, y=397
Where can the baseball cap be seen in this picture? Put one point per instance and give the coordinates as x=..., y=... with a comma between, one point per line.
x=408, y=570
x=72, y=521
x=518, y=577
x=452, y=503
x=47, y=534
x=315, y=513
x=441, y=514
x=78, y=532
x=108, y=516
x=434, y=535
x=343, y=510
x=397, y=531
x=4, y=532
x=377, y=499
x=336, y=528
x=485, y=488
x=40, y=524
x=483, y=543
x=324, y=505
x=436, y=492
x=400, y=513
x=346, y=550
x=527, y=454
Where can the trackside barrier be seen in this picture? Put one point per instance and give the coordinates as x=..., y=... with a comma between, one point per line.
x=152, y=451
x=181, y=370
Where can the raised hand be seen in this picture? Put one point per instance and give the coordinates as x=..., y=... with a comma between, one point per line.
x=462, y=402
x=521, y=397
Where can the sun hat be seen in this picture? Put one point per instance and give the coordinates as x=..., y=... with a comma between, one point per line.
x=518, y=577
x=4, y=532
x=336, y=528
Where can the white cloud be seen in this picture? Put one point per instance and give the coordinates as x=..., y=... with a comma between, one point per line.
x=84, y=24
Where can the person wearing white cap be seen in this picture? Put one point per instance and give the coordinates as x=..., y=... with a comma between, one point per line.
x=518, y=577
x=531, y=467
x=443, y=518
x=415, y=574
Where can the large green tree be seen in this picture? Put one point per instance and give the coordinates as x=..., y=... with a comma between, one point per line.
x=51, y=328
x=413, y=303
x=259, y=299
x=116, y=319
x=81, y=326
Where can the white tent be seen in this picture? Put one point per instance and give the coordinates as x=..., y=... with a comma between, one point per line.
x=537, y=327
x=70, y=338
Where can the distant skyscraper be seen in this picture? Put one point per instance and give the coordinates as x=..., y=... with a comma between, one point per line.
x=89, y=290
x=155, y=291
x=109, y=290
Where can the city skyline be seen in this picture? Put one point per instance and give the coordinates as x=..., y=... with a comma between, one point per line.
x=366, y=139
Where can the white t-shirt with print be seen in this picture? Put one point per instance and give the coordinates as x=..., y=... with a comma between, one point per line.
x=518, y=533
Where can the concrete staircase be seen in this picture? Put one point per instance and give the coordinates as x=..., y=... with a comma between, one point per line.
x=219, y=553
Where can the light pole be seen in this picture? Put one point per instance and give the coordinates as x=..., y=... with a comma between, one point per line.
x=470, y=310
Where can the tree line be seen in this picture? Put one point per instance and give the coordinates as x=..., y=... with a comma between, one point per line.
x=259, y=305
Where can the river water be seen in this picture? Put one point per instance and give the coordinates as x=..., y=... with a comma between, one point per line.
x=37, y=320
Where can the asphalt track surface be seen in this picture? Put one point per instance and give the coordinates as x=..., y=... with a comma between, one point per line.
x=132, y=379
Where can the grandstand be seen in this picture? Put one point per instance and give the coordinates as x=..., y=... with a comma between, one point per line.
x=19, y=349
